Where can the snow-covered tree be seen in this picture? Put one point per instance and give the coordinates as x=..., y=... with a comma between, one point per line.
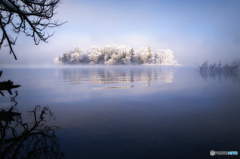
x=165, y=57
x=131, y=56
x=116, y=55
x=66, y=58
x=155, y=58
x=149, y=55
x=94, y=53
x=58, y=60
x=146, y=54
x=78, y=55
x=74, y=57
x=108, y=51
x=138, y=58
x=120, y=56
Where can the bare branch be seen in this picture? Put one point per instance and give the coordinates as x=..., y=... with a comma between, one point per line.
x=31, y=17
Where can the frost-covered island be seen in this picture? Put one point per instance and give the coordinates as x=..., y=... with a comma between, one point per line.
x=117, y=55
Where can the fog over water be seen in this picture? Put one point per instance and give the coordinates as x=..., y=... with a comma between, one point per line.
x=132, y=111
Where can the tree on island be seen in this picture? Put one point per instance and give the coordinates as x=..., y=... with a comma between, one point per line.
x=131, y=60
x=117, y=55
x=31, y=17
x=150, y=54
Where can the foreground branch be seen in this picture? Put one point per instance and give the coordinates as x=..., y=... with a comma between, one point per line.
x=32, y=17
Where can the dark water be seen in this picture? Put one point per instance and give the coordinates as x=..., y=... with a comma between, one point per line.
x=144, y=112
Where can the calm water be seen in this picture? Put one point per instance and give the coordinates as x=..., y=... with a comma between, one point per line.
x=123, y=112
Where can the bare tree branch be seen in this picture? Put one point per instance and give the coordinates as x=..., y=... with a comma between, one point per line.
x=31, y=17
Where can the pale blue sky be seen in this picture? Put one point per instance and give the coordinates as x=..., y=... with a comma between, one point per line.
x=195, y=30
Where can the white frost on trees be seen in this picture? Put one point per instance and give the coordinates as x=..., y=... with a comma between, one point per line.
x=145, y=55
x=165, y=57
x=117, y=55
x=94, y=53
x=58, y=60
x=77, y=55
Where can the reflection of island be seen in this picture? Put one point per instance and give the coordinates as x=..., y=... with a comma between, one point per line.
x=32, y=139
x=118, y=75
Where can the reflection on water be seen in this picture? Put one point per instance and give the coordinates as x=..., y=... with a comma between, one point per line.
x=220, y=72
x=116, y=76
x=115, y=87
x=107, y=112
x=26, y=139
x=220, y=76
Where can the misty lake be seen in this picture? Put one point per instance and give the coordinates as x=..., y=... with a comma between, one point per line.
x=126, y=112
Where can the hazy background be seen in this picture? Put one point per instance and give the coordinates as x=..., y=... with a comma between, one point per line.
x=194, y=30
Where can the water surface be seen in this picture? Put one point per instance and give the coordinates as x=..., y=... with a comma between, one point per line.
x=132, y=111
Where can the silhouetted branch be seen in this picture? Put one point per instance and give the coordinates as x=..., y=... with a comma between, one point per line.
x=19, y=139
x=7, y=86
x=29, y=140
x=31, y=17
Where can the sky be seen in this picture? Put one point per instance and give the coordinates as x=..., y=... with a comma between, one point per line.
x=195, y=30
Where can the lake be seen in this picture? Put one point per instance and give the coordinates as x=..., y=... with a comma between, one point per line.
x=120, y=112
